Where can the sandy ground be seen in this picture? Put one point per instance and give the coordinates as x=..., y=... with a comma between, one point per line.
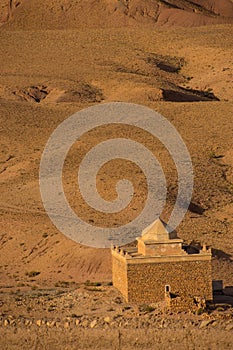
x=95, y=316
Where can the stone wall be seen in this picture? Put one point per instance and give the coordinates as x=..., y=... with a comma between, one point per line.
x=146, y=282
x=119, y=274
x=174, y=247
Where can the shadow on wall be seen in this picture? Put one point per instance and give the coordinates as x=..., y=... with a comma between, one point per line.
x=222, y=296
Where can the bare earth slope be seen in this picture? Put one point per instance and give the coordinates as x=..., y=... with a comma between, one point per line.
x=43, y=83
x=60, y=57
x=34, y=14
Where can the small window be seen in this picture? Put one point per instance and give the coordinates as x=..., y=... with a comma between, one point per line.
x=167, y=289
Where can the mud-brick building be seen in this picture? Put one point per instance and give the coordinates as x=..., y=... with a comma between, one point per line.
x=162, y=269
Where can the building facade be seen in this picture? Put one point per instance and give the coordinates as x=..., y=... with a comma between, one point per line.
x=162, y=269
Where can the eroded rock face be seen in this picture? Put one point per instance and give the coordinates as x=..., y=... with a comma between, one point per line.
x=179, y=94
x=38, y=14
x=33, y=93
x=221, y=8
x=82, y=93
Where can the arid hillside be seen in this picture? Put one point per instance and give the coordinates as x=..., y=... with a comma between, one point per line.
x=70, y=14
x=59, y=57
x=46, y=75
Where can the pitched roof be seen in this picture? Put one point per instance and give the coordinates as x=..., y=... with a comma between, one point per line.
x=157, y=231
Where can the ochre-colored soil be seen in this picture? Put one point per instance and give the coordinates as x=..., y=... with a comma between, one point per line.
x=57, y=61
x=94, y=316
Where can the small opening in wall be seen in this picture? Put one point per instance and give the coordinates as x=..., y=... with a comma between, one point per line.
x=167, y=288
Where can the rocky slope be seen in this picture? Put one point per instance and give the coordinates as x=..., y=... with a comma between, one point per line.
x=67, y=14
